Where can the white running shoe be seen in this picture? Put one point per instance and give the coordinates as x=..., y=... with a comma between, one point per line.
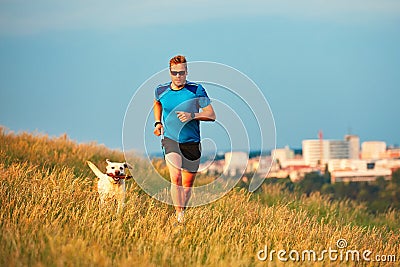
x=180, y=216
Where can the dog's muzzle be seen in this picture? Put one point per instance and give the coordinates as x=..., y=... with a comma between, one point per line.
x=117, y=178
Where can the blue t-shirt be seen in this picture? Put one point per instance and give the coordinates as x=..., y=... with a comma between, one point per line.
x=190, y=98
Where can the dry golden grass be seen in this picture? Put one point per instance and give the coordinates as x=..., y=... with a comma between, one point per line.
x=50, y=217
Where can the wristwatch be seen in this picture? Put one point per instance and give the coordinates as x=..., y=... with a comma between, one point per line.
x=192, y=115
x=157, y=123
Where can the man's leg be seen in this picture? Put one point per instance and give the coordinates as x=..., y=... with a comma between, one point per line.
x=190, y=162
x=187, y=183
x=174, y=163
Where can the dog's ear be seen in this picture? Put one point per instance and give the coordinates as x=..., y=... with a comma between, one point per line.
x=108, y=161
x=126, y=165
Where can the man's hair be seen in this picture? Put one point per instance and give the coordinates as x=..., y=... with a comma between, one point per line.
x=179, y=59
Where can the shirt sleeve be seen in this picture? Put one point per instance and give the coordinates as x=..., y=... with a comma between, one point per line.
x=203, y=98
x=156, y=94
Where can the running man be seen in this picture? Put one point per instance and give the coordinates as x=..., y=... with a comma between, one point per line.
x=179, y=106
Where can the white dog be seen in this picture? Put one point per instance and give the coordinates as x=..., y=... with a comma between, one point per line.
x=111, y=184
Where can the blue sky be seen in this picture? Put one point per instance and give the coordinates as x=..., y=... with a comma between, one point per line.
x=73, y=66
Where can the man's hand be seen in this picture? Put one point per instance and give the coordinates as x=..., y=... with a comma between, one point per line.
x=159, y=129
x=183, y=116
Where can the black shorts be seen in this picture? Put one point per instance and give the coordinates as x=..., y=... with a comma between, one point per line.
x=190, y=153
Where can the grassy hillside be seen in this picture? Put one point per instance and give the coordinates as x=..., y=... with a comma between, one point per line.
x=50, y=217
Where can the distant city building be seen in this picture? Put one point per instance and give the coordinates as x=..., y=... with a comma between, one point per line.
x=317, y=150
x=344, y=159
x=338, y=149
x=235, y=162
x=354, y=146
x=260, y=165
x=314, y=150
x=293, y=162
x=391, y=153
x=346, y=164
x=212, y=167
x=283, y=154
x=372, y=150
x=392, y=164
x=360, y=175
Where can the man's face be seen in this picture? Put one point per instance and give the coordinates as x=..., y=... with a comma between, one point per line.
x=178, y=74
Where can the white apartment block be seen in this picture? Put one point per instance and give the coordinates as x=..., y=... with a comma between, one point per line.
x=316, y=150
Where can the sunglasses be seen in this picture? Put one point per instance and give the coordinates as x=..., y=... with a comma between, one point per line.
x=175, y=73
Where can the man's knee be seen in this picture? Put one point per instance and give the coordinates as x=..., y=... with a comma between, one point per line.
x=176, y=178
x=187, y=184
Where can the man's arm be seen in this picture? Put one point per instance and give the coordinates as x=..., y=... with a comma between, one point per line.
x=158, y=129
x=207, y=114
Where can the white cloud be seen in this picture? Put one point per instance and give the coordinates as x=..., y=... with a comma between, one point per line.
x=21, y=17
